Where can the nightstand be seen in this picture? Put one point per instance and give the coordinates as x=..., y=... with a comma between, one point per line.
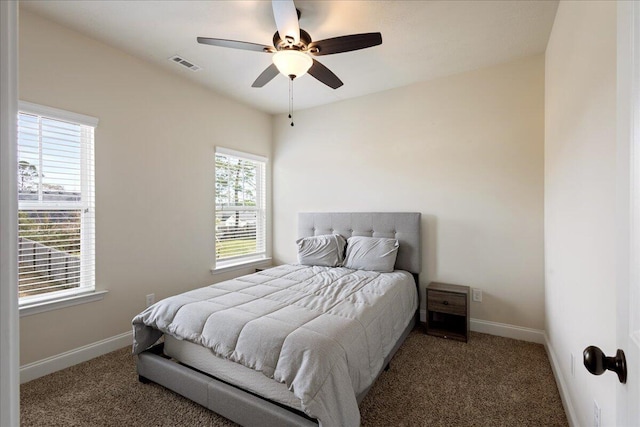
x=448, y=311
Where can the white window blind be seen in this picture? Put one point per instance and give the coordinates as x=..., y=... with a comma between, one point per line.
x=56, y=203
x=240, y=212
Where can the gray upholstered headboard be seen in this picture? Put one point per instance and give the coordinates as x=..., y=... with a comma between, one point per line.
x=404, y=226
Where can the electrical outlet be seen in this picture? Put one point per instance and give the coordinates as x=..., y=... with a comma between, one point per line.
x=597, y=415
x=151, y=298
x=476, y=294
x=573, y=365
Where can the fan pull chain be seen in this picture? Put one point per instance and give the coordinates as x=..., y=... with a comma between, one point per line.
x=291, y=77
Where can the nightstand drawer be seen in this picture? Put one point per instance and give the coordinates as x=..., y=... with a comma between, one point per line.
x=447, y=302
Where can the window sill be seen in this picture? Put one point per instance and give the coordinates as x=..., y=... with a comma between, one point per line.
x=262, y=262
x=62, y=302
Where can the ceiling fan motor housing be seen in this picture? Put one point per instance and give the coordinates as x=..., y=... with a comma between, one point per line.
x=287, y=44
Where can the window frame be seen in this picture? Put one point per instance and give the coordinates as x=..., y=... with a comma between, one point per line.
x=262, y=196
x=86, y=291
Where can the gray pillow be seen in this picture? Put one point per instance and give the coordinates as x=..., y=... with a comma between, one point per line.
x=371, y=253
x=326, y=250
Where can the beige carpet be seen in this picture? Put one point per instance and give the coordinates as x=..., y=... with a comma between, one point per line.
x=490, y=381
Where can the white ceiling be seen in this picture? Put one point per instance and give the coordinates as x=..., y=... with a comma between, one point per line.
x=422, y=40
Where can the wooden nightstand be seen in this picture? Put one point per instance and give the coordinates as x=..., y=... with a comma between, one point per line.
x=448, y=311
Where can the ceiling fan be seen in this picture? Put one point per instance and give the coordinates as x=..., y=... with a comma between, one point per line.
x=293, y=48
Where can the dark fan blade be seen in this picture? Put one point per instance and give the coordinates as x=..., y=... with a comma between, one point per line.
x=325, y=75
x=234, y=44
x=266, y=76
x=345, y=43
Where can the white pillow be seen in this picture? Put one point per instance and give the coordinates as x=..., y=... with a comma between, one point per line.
x=326, y=250
x=371, y=253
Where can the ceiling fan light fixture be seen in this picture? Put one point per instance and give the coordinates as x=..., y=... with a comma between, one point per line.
x=292, y=62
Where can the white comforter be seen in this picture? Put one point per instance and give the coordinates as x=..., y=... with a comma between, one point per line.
x=324, y=332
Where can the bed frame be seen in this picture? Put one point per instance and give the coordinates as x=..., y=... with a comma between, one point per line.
x=249, y=409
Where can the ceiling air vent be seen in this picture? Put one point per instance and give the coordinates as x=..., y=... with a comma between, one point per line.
x=190, y=65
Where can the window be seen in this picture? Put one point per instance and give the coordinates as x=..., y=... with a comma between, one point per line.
x=240, y=212
x=56, y=203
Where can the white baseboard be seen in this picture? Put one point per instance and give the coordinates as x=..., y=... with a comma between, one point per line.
x=34, y=370
x=562, y=385
x=508, y=331
x=501, y=329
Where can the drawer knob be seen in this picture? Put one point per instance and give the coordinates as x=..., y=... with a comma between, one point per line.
x=445, y=302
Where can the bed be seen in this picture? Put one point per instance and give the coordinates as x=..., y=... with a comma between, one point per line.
x=294, y=344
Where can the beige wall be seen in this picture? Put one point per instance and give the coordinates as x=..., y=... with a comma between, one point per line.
x=465, y=150
x=580, y=197
x=154, y=175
